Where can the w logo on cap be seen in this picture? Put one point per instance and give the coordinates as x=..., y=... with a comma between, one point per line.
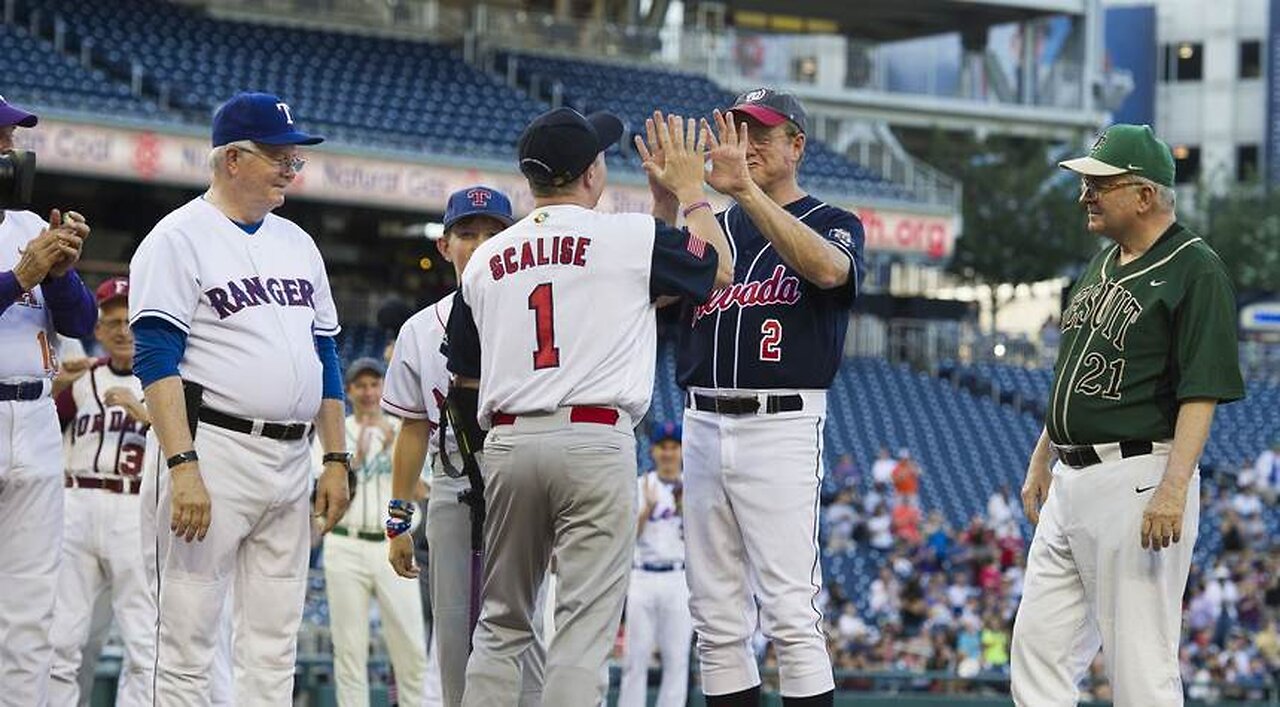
x=480, y=197
x=754, y=96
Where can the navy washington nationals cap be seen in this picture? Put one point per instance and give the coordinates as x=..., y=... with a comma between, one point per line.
x=560, y=144
x=477, y=201
x=772, y=108
x=260, y=117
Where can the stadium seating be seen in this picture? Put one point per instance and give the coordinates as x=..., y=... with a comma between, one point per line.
x=36, y=73
x=633, y=93
x=359, y=90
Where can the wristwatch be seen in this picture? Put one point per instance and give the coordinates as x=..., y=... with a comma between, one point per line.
x=343, y=458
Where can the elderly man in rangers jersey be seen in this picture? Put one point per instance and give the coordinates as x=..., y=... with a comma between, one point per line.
x=234, y=324
x=755, y=360
x=417, y=381
x=1148, y=351
x=41, y=296
x=658, y=599
x=562, y=386
x=104, y=430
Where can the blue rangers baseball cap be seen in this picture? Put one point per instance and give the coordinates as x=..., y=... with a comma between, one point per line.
x=478, y=200
x=13, y=115
x=260, y=117
x=665, y=431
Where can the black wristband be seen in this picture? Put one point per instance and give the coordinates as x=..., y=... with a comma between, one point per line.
x=182, y=458
x=343, y=458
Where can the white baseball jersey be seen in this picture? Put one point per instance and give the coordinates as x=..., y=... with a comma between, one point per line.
x=250, y=305
x=101, y=439
x=368, y=511
x=662, y=540
x=28, y=342
x=563, y=301
x=418, y=377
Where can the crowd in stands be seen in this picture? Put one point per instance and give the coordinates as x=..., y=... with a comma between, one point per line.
x=944, y=598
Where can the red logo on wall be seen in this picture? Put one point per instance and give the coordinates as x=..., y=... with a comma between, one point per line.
x=146, y=155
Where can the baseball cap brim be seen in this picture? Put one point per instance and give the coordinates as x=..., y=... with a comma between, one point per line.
x=763, y=114
x=505, y=219
x=293, y=137
x=12, y=115
x=1091, y=167
x=608, y=128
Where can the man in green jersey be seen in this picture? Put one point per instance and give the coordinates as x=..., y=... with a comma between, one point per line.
x=1148, y=350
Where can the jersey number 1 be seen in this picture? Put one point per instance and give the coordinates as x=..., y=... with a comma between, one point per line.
x=547, y=355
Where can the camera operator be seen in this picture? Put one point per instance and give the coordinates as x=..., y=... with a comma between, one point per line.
x=41, y=296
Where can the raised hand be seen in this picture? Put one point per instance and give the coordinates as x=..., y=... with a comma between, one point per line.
x=650, y=151
x=728, y=154
x=681, y=168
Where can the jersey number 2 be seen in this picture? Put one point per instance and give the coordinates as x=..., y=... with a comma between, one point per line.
x=770, y=340
x=546, y=355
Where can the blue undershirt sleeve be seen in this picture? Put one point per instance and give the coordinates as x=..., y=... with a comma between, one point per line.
x=157, y=348
x=327, y=348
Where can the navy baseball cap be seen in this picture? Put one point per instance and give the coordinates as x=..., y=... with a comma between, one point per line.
x=13, y=115
x=478, y=200
x=559, y=145
x=365, y=364
x=665, y=431
x=260, y=117
x=772, y=108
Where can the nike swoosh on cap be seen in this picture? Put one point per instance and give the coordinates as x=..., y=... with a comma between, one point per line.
x=1157, y=283
x=1134, y=168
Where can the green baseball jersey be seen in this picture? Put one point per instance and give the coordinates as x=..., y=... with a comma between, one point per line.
x=1139, y=338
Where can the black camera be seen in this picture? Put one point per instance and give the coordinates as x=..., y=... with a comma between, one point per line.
x=17, y=178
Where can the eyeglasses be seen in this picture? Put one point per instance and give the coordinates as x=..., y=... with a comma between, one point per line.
x=1090, y=189
x=291, y=163
x=113, y=324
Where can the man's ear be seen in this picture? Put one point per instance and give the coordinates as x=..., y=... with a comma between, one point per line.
x=442, y=245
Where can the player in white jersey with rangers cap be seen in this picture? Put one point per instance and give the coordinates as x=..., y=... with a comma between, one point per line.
x=105, y=434
x=555, y=318
x=41, y=296
x=234, y=325
x=658, y=599
x=417, y=381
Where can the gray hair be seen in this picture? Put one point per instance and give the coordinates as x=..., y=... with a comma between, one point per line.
x=1166, y=197
x=218, y=155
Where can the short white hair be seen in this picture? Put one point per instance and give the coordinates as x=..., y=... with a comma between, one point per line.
x=1166, y=197
x=218, y=155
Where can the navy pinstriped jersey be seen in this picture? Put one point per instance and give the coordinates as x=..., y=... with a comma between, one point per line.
x=771, y=328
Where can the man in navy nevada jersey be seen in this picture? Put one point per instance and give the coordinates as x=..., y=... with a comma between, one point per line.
x=755, y=360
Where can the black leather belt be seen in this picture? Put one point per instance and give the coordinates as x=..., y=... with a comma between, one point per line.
x=30, y=390
x=271, y=430
x=361, y=534
x=661, y=566
x=732, y=405
x=1084, y=455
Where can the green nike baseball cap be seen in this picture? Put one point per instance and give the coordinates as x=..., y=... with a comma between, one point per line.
x=1126, y=149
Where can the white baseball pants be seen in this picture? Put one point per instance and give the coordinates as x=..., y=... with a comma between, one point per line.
x=30, y=547
x=1089, y=584
x=102, y=556
x=657, y=613
x=256, y=548
x=751, y=487
x=355, y=572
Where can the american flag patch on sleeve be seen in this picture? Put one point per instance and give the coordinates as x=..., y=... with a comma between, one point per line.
x=696, y=246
